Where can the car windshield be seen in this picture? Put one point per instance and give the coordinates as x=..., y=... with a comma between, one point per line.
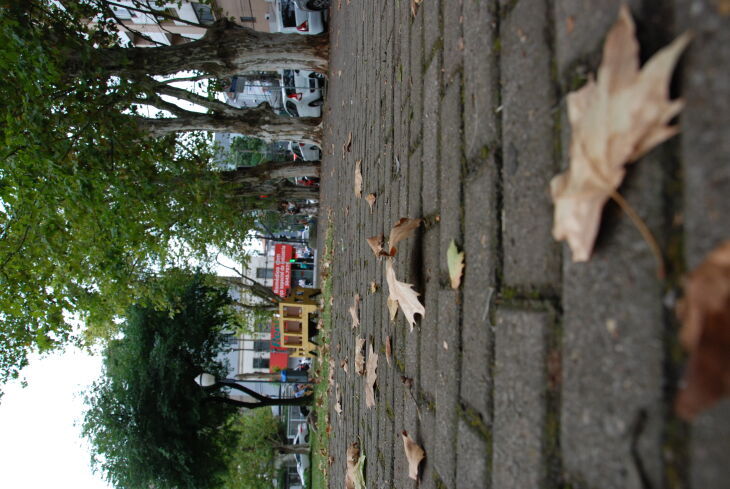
x=287, y=81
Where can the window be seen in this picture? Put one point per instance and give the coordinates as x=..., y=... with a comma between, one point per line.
x=264, y=273
x=288, y=14
x=261, y=345
x=122, y=13
x=248, y=19
x=204, y=13
x=260, y=363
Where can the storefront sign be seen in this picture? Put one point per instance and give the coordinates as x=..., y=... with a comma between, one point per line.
x=282, y=269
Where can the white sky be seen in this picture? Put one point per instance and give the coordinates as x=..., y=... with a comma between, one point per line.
x=39, y=445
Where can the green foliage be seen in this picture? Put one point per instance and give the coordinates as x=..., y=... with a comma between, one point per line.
x=247, y=151
x=149, y=424
x=251, y=465
x=90, y=207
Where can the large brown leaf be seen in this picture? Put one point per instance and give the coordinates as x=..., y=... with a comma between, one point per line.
x=614, y=120
x=360, y=356
x=404, y=294
x=705, y=315
x=355, y=311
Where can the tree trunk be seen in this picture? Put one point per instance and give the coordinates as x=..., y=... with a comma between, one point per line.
x=271, y=170
x=259, y=122
x=226, y=49
x=284, y=449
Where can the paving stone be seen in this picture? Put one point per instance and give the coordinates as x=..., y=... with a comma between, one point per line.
x=519, y=400
x=705, y=146
x=453, y=38
x=447, y=385
x=479, y=288
x=431, y=160
x=472, y=455
x=481, y=75
x=432, y=40
x=613, y=350
x=531, y=257
x=415, y=80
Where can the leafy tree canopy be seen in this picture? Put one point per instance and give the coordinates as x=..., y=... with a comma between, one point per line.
x=91, y=204
x=149, y=424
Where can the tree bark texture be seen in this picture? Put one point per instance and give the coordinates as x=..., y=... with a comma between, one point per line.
x=259, y=122
x=226, y=49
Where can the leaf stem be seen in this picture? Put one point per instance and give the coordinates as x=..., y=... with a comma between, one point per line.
x=644, y=230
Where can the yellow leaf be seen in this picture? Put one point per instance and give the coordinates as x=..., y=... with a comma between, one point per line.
x=360, y=357
x=392, y=308
x=355, y=311
x=455, y=261
x=614, y=120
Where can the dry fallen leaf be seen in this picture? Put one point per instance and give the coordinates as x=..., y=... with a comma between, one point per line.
x=347, y=146
x=358, y=178
x=370, y=198
x=401, y=230
x=403, y=293
x=355, y=311
x=353, y=455
x=414, y=6
x=376, y=244
x=345, y=366
x=388, y=350
x=370, y=377
x=360, y=356
x=338, y=400
x=373, y=287
x=705, y=315
x=331, y=375
x=392, y=308
x=614, y=120
x=455, y=261
x=414, y=455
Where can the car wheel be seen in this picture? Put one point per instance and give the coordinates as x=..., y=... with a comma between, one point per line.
x=318, y=4
x=317, y=103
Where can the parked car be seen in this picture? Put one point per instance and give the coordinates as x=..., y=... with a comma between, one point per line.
x=313, y=5
x=302, y=459
x=293, y=20
x=305, y=151
x=302, y=92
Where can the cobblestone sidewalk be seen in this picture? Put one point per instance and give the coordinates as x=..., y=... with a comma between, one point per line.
x=537, y=373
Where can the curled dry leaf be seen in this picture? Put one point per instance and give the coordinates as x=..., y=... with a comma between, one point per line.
x=401, y=230
x=373, y=287
x=414, y=455
x=347, y=146
x=455, y=262
x=388, y=350
x=345, y=366
x=404, y=294
x=614, y=120
x=376, y=244
x=705, y=315
x=360, y=356
x=371, y=377
x=392, y=308
x=338, y=400
x=370, y=198
x=353, y=455
x=355, y=311
x=358, y=178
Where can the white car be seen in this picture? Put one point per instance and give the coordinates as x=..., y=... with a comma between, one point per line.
x=293, y=20
x=313, y=5
x=302, y=459
x=305, y=151
x=302, y=92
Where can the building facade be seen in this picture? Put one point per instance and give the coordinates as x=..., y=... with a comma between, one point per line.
x=144, y=29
